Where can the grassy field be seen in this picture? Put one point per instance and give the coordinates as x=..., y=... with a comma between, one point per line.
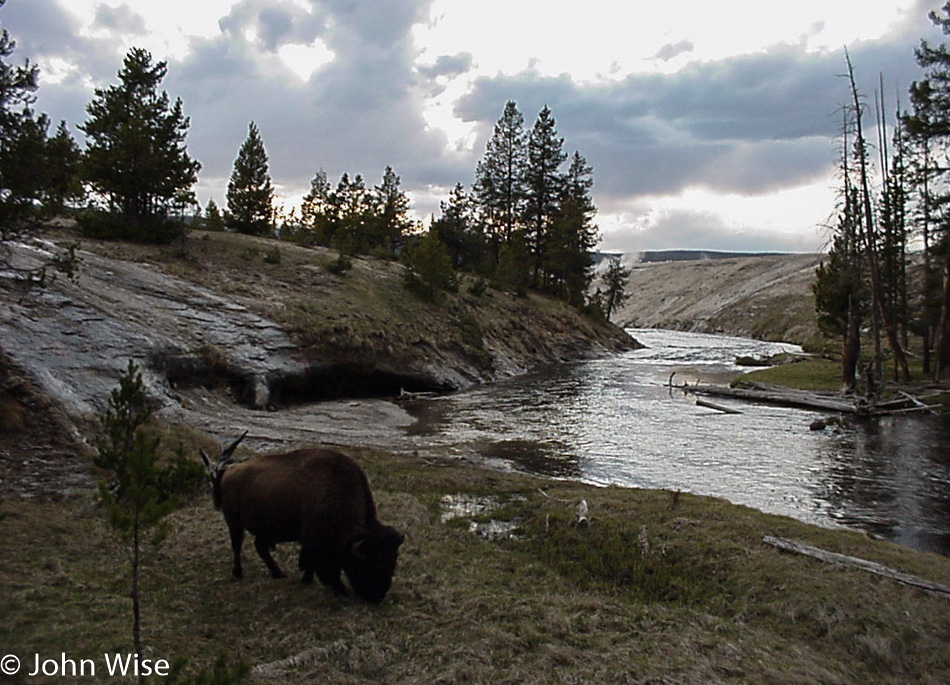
x=659, y=588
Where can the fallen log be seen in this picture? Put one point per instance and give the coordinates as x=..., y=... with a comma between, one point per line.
x=854, y=562
x=717, y=407
x=783, y=396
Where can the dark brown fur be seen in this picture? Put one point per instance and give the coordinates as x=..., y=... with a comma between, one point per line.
x=319, y=498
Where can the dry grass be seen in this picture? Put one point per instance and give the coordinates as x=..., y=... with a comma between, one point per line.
x=708, y=602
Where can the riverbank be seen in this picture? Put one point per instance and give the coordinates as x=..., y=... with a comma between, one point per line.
x=660, y=587
x=230, y=323
x=766, y=297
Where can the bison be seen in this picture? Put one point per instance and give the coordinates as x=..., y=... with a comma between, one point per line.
x=317, y=497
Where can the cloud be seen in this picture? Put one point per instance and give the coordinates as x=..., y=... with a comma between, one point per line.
x=448, y=65
x=273, y=24
x=747, y=124
x=358, y=113
x=705, y=230
x=669, y=51
x=121, y=20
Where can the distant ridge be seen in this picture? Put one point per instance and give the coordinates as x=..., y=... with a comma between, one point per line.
x=692, y=255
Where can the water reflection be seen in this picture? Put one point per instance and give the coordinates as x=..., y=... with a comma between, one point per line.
x=613, y=421
x=890, y=476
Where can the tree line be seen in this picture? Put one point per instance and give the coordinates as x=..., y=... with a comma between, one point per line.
x=527, y=221
x=873, y=288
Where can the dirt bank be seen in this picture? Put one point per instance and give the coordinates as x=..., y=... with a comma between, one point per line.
x=764, y=297
x=234, y=331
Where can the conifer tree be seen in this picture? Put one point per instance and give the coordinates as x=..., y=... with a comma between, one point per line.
x=316, y=212
x=63, y=159
x=250, y=194
x=500, y=176
x=139, y=492
x=213, y=220
x=456, y=228
x=353, y=211
x=543, y=188
x=392, y=221
x=930, y=126
x=615, y=294
x=135, y=147
x=573, y=235
x=17, y=87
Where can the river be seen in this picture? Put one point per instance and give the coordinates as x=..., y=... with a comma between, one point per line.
x=613, y=421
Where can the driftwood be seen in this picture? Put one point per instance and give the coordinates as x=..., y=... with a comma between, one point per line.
x=803, y=399
x=855, y=562
x=717, y=407
x=783, y=396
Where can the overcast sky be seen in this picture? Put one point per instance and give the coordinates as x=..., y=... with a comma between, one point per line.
x=710, y=125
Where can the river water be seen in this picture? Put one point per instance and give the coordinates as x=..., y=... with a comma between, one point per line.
x=613, y=421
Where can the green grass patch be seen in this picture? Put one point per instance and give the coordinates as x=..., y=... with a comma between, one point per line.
x=806, y=374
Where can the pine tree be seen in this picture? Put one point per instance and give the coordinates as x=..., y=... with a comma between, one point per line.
x=543, y=188
x=930, y=127
x=616, y=279
x=135, y=147
x=213, y=221
x=429, y=267
x=316, y=212
x=17, y=87
x=392, y=221
x=500, y=176
x=63, y=158
x=353, y=211
x=573, y=235
x=139, y=492
x=250, y=194
x=457, y=229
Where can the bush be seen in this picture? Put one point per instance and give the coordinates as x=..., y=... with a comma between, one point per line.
x=430, y=268
x=115, y=226
x=340, y=265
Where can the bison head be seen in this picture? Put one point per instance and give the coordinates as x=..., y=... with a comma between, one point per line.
x=371, y=562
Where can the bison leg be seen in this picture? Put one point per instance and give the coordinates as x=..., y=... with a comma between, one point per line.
x=307, y=564
x=329, y=574
x=237, y=540
x=263, y=548
x=321, y=561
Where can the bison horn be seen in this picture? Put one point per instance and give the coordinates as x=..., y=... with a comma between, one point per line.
x=229, y=450
x=206, y=459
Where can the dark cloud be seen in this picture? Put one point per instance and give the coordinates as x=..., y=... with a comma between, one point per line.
x=748, y=124
x=121, y=20
x=358, y=113
x=275, y=23
x=670, y=50
x=448, y=65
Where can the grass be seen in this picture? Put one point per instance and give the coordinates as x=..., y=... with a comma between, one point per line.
x=806, y=374
x=702, y=601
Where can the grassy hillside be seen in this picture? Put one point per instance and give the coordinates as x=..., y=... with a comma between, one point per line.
x=658, y=588
x=366, y=315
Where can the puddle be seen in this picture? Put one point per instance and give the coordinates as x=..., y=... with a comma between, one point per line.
x=464, y=506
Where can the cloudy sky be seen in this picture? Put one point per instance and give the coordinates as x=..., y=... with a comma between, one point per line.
x=710, y=125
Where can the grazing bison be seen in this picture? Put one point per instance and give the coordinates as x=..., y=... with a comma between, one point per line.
x=317, y=497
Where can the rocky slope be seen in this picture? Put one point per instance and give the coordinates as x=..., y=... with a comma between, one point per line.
x=233, y=325
x=764, y=297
